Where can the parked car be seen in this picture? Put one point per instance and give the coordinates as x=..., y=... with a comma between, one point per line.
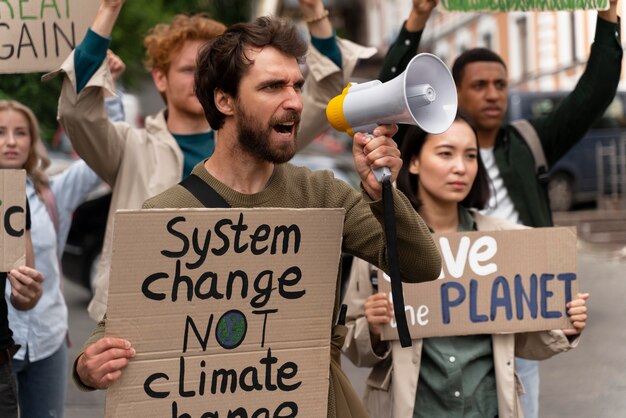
x=574, y=178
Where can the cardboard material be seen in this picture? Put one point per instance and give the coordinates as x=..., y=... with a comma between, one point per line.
x=37, y=35
x=506, y=5
x=493, y=282
x=264, y=345
x=12, y=219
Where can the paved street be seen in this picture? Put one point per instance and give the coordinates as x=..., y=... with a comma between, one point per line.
x=80, y=404
x=587, y=382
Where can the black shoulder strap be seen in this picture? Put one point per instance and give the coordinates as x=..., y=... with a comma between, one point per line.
x=530, y=136
x=203, y=192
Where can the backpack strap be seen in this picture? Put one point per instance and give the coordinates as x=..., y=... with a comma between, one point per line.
x=202, y=191
x=528, y=133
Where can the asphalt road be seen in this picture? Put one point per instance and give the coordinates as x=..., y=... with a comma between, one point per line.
x=589, y=381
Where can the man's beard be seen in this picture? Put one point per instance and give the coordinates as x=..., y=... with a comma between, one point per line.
x=256, y=139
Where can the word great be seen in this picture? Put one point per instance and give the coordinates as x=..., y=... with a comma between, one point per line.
x=31, y=10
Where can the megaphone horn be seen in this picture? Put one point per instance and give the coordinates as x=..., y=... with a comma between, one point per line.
x=423, y=95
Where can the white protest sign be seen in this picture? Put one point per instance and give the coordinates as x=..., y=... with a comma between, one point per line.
x=37, y=35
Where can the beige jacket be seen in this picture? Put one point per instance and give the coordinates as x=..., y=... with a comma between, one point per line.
x=140, y=163
x=392, y=384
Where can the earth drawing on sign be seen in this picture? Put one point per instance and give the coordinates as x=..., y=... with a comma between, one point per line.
x=231, y=329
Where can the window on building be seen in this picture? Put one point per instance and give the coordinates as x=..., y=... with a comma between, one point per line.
x=522, y=31
x=572, y=28
x=487, y=41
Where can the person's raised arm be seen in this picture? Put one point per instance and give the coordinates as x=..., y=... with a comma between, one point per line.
x=610, y=15
x=325, y=77
x=316, y=17
x=106, y=17
x=407, y=42
x=419, y=15
x=90, y=53
x=569, y=122
x=81, y=111
x=322, y=33
x=402, y=51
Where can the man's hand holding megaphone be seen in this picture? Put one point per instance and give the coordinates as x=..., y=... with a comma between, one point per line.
x=423, y=95
x=376, y=151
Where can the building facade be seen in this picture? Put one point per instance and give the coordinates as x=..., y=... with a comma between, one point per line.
x=543, y=51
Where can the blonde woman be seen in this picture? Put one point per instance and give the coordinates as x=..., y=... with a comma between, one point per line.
x=40, y=365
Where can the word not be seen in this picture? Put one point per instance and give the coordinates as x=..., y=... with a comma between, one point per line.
x=206, y=285
x=257, y=243
x=8, y=227
x=224, y=381
x=502, y=297
x=45, y=40
x=289, y=408
x=236, y=334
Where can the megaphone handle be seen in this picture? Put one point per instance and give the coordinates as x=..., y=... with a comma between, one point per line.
x=381, y=173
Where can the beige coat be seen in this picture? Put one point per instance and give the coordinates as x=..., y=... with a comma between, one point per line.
x=140, y=163
x=392, y=385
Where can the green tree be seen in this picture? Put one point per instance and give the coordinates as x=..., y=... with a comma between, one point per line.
x=127, y=41
x=42, y=98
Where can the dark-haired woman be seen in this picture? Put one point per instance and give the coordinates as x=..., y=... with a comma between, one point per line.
x=458, y=376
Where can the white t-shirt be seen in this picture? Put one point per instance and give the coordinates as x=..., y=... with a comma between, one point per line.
x=500, y=204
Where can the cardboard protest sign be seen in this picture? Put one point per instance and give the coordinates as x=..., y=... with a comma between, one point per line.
x=507, y=5
x=37, y=35
x=493, y=282
x=229, y=310
x=12, y=218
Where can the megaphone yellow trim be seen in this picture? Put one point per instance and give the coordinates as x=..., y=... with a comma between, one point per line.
x=334, y=112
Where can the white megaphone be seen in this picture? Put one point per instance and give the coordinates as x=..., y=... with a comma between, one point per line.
x=423, y=95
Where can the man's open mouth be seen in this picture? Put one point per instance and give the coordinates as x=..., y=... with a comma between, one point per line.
x=285, y=128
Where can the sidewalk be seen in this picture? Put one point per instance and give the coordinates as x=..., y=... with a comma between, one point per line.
x=80, y=404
